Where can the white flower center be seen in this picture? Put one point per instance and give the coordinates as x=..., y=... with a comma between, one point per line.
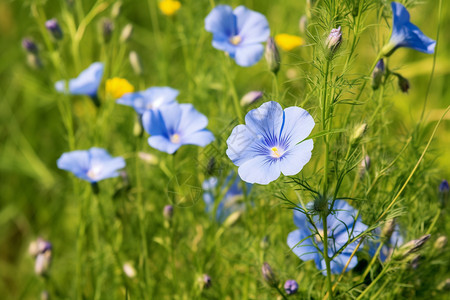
x=175, y=138
x=94, y=172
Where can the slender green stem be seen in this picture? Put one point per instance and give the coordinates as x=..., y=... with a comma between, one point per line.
x=325, y=255
x=280, y=292
x=234, y=95
x=374, y=259
x=325, y=112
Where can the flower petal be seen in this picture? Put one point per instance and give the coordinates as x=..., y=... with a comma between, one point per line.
x=248, y=55
x=298, y=125
x=239, y=144
x=259, y=169
x=86, y=83
x=76, y=162
x=266, y=120
x=296, y=158
x=163, y=144
x=221, y=22
x=252, y=26
x=306, y=249
x=191, y=120
x=200, y=138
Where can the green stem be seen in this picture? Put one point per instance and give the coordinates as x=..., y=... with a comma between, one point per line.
x=325, y=112
x=234, y=95
x=280, y=292
x=374, y=258
x=325, y=255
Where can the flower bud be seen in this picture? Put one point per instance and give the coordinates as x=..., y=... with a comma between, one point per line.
x=135, y=62
x=106, y=27
x=129, y=270
x=272, y=56
x=34, y=61
x=148, y=158
x=168, y=212
x=116, y=8
x=251, y=97
x=403, y=83
x=53, y=27
x=303, y=24
x=334, y=40
x=440, y=243
x=39, y=246
x=364, y=165
x=206, y=281
x=29, y=45
x=290, y=287
x=411, y=247
x=377, y=74
x=443, y=192
x=42, y=263
x=388, y=229
x=126, y=33
x=358, y=133
x=268, y=275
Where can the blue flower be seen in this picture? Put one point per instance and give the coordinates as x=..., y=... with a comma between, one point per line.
x=270, y=142
x=230, y=202
x=174, y=125
x=238, y=32
x=396, y=240
x=85, y=84
x=406, y=34
x=152, y=98
x=342, y=226
x=91, y=165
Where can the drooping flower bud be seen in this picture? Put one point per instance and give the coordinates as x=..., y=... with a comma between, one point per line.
x=135, y=62
x=29, y=45
x=251, y=97
x=440, y=243
x=303, y=24
x=290, y=287
x=377, y=74
x=272, y=56
x=403, y=83
x=53, y=27
x=334, y=40
x=268, y=275
x=126, y=33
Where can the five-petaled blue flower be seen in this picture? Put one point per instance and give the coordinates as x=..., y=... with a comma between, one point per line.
x=152, y=98
x=270, y=142
x=86, y=83
x=342, y=225
x=406, y=34
x=395, y=240
x=238, y=32
x=91, y=165
x=174, y=125
x=231, y=201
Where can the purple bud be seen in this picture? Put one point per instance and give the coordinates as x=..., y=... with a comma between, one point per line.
x=444, y=187
x=290, y=287
x=107, y=27
x=206, y=281
x=29, y=45
x=54, y=28
x=168, y=212
x=403, y=83
x=268, y=275
x=334, y=39
x=251, y=97
x=377, y=74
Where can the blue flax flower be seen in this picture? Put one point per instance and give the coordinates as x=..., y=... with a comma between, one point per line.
x=174, y=125
x=86, y=83
x=395, y=240
x=230, y=202
x=270, y=142
x=152, y=98
x=239, y=32
x=91, y=165
x=406, y=34
x=342, y=227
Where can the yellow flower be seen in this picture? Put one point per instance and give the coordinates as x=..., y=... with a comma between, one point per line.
x=117, y=87
x=288, y=42
x=169, y=7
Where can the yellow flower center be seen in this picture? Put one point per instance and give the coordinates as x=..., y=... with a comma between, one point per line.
x=169, y=7
x=175, y=138
x=288, y=42
x=94, y=172
x=117, y=87
x=276, y=152
x=235, y=40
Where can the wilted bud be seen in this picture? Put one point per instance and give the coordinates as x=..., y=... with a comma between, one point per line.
x=168, y=212
x=444, y=285
x=377, y=74
x=129, y=270
x=403, y=83
x=440, y=243
x=334, y=40
x=290, y=287
x=106, y=27
x=53, y=27
x=251, y=97
x=443, y=192
x=42, y=263
x=358, y=133
x=135, y=62
x=29, y=45
x=388, y=229
x=116, y=8
x=265, y=243
x=206, y=281
x=126, y=33
x=148, y=158
x=411, y=247
x=272, y=56
x=303, y=24
x=268, y=275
